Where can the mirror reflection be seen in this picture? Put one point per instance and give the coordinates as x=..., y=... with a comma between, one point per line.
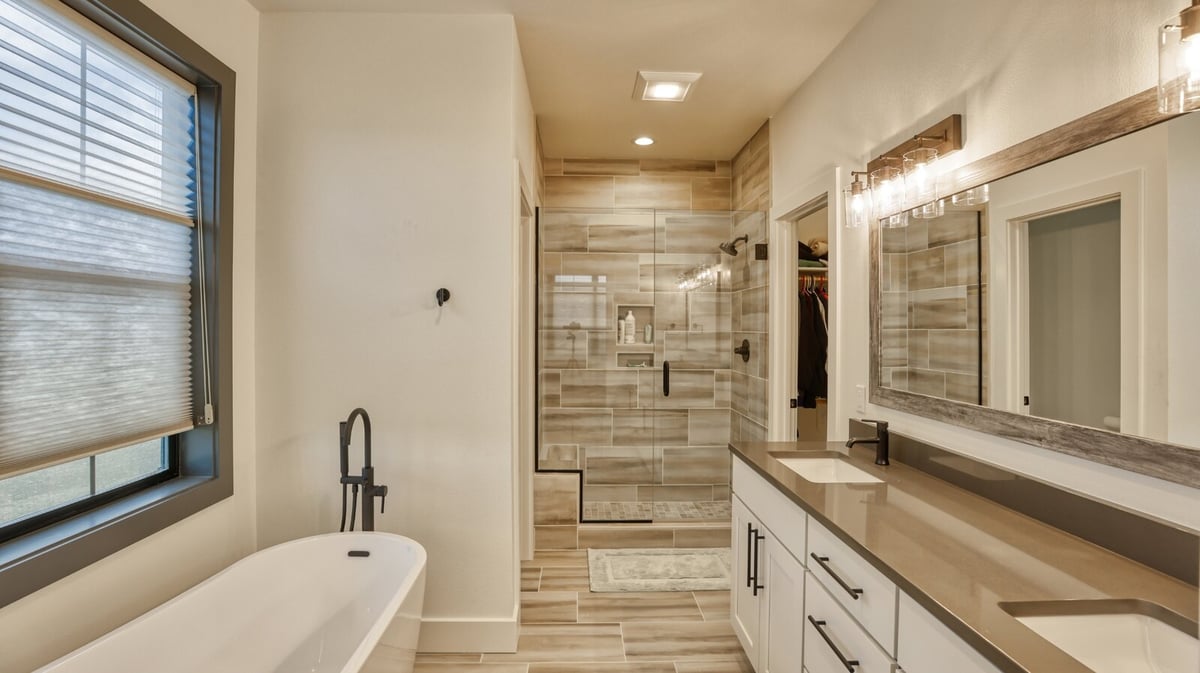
x=1061, y=292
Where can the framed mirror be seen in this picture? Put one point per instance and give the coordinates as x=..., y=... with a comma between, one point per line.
x=1050, y=299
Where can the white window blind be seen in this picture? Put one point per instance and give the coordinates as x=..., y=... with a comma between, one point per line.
x=97, y=201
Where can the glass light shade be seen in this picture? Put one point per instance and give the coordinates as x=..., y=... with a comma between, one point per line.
x=858, y=205
x=887, y=190
x=920, y=174
x=971, y=197
x=930, y=210
x=1179, y=62
x=894, y=221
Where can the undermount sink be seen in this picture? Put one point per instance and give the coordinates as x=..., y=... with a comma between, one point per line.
x=1114, y=636
x=828, y=471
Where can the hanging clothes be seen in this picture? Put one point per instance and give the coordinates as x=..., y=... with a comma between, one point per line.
x=812, y=379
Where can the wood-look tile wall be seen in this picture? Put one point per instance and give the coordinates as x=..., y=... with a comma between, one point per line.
x=933, y=316
x=666, y=184
x=750, y=285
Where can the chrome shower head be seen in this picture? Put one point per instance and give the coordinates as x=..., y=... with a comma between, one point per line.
x=730, y=248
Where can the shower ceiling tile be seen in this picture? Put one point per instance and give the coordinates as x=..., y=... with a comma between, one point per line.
x=578, y=191
x=710, y=194
x=600, y=167
x=653, y=192
x=682, y=167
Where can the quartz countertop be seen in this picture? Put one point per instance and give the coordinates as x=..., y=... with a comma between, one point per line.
x=960, y=555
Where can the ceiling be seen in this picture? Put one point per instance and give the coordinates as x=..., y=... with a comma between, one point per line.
x=582, y=56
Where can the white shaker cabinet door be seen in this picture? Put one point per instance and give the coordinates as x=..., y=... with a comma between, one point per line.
x=783, y=578
x=745, y=598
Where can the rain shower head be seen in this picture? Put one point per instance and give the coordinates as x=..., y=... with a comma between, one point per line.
x=730, y=248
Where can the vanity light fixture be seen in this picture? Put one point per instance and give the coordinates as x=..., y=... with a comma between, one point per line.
x=893, y=195
x=858, y=202
x=887, y=190
x=664, y=86
x=1179, y=62
x=643, y=141
x=920, y=175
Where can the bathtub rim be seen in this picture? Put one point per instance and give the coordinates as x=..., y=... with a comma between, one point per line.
x=361, y=652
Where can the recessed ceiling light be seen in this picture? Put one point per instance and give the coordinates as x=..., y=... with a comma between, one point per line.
x=643, y=141
x=664, y=86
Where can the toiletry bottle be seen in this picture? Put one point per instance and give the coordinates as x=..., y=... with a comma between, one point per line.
x=649, y=334
x=630, y=327
x=620, y=330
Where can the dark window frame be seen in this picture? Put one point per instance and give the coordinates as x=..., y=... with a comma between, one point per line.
x=205, y=454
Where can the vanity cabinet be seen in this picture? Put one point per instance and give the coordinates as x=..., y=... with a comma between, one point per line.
x=804, y=600
x=925, y=645
x=767, y=596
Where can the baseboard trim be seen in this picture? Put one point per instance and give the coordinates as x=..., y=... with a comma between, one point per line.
x=464, y=634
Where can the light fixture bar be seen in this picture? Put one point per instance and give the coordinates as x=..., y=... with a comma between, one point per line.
x=944, y=136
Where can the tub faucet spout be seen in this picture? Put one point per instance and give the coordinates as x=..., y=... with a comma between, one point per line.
x=366, y=480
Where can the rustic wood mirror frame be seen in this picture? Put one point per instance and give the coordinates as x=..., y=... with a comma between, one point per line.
x=1171, y=462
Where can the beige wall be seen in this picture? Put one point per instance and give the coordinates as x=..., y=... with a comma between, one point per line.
x=93, y=601
x=873, y=91
x=378, y=187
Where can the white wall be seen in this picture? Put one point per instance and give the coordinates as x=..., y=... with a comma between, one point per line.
x=88, y=603
x=1013, y=69
x=387, y=146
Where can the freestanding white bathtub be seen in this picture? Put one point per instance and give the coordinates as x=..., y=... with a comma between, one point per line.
x=303, y=606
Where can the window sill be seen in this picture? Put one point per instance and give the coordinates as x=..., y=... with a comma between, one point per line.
x=43, y=557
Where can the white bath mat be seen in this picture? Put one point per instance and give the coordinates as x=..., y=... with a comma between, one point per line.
x=659, y=569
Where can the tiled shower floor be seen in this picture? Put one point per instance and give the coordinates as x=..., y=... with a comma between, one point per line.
x=707, y=510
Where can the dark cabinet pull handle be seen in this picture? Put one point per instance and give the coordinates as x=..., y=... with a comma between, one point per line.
x=749, y=554
x=848, y=663
x=757, y=538
x=666, y=379
x=823, y=561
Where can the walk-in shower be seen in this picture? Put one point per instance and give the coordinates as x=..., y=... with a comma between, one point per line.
x=637, y=324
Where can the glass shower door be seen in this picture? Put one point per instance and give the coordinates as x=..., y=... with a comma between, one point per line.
x=691, y=386
x=635, y=352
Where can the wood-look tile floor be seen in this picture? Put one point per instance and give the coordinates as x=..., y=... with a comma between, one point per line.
x=565, y=628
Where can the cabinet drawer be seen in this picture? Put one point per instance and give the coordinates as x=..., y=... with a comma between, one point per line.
x=845, y=636
x=927, y=646
x=784, y=518
x=867, y=595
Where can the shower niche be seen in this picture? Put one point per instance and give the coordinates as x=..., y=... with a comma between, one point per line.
x=644, y=450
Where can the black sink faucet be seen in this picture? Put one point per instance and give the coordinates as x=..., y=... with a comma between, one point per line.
x=880, y=440
x=370, y=490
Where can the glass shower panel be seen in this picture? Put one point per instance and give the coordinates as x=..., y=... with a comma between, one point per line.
x=604, y=408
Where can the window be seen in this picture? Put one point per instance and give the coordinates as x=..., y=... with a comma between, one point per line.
x=115, y=204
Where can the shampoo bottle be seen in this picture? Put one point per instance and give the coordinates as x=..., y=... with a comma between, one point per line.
x=630, y=327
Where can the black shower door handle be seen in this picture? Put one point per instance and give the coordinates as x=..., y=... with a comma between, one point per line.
x=666, y=379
